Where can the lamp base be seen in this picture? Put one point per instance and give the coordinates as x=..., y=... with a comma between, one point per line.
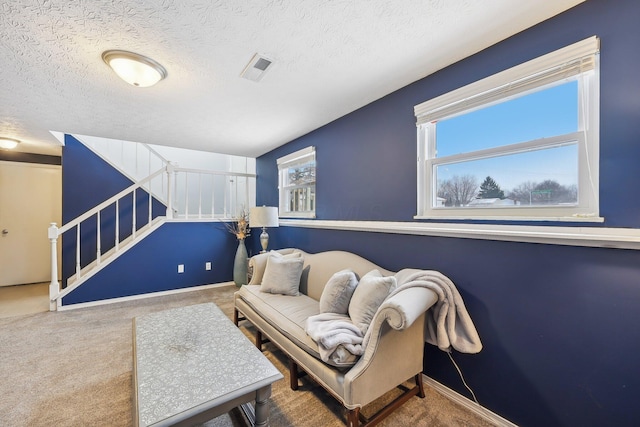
x=264, y=239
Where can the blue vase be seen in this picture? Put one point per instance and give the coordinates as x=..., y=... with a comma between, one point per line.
x=240, y=264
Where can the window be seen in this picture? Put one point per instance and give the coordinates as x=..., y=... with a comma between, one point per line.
x=521, y=144
x=297, y=184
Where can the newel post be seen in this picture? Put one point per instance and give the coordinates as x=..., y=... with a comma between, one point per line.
x=170, y=180
x=54, y=286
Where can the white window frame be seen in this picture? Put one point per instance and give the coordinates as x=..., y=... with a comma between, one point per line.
x=577, y=61
x=299, y=157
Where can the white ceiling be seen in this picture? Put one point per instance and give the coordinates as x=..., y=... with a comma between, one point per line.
x=330, y=57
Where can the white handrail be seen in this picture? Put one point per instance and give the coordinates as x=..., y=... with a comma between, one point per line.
x=210, y=172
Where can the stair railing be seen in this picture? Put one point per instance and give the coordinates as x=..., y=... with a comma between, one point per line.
x=204, y=195
x=54, y=232
x=189, y=194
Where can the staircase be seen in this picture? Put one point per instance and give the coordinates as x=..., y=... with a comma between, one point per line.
x=166, y=192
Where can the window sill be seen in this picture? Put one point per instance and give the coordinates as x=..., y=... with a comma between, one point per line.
x=578, y=218
x=621, y=238
x=297, y=216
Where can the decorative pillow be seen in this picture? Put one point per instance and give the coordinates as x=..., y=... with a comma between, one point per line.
x=259, y=262
x=368, y=296
x=282, y=275
x=337, y=292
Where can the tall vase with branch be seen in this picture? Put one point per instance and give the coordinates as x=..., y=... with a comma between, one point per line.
x=240, y=228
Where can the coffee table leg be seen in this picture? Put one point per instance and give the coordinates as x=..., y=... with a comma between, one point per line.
x=262, y=406
x=258, y=415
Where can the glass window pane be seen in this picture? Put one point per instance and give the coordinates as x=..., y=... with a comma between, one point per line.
x=301, y=199
x=549, y=112
x=301, y=174
x=534, y=178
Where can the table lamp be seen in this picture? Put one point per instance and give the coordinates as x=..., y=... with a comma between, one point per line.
x=263, y=216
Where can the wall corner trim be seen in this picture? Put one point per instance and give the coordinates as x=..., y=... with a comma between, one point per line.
x=618, y=238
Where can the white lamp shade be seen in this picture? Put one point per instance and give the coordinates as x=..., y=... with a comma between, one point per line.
x=263, y=216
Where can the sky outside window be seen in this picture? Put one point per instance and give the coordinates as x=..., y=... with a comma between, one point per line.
x=546, y=113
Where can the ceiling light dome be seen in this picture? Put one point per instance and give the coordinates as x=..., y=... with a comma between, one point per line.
x=8, y=143
x=135, y=69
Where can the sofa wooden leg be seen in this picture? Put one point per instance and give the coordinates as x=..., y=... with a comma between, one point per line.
x=420, y=385
x=237, y=316
x=259, y=340
x=353, y=417
x=293, y=375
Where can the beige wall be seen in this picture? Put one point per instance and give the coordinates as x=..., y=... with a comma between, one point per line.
x=30, y=199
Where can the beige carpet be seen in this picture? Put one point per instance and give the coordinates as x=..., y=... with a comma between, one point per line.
x=74, y=368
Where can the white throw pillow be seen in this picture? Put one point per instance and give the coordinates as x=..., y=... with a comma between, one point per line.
x=282, y=275
x=259, y=263
x=337, y=293
x=370, y=293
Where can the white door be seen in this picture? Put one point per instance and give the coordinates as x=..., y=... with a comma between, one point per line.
x=30, y=199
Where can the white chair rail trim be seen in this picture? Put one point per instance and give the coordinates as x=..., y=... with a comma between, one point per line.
x=620, y=238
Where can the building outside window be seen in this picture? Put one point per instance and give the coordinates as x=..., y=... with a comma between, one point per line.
x=522, y=144
x=297, y=184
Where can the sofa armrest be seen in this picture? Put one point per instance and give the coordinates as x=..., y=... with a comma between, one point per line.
x=396, y=341
x=402, y=309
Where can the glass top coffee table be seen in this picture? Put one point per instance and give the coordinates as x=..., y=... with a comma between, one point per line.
x=192, y=364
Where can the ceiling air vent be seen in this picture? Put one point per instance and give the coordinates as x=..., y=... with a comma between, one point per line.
x=256, y=68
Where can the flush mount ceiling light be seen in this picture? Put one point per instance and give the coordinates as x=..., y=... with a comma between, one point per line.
x=8, y=143
x=135, y=69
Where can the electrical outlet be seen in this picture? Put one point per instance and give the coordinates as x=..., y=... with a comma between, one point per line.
x=180, y=268
x=207, y=266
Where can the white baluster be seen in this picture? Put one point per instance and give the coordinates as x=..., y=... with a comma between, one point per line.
x=226, y=187
x=200, y=196
x=98, y=244
x=54, y=286
x=117, y=225
x=186, y=195
x=170, y=174
x=246, y=191
x=133, y=222
x=213, y=197
x=78, y=251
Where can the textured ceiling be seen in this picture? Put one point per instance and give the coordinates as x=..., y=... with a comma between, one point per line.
x=330, y=58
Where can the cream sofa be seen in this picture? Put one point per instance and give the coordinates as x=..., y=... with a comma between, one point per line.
x=394, y=351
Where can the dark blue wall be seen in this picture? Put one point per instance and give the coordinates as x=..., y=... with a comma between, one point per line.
x=558, y=323
x=151, y=265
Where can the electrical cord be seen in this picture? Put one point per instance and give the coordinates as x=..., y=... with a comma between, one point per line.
x=462, y=377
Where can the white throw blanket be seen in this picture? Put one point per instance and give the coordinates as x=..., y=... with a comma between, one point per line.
x=338, y=339
x=447, y=323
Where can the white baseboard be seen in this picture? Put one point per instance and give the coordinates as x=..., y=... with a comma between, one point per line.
x=468, y=404
x=142, y=296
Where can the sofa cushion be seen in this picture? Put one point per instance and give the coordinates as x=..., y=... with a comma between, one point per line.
x=282, y=275
x=337, y=292
x=286, y=313
x=370, y=293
